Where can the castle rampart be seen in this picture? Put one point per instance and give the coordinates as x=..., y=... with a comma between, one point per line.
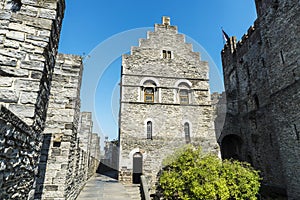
x=29, y=38
x=28, y=41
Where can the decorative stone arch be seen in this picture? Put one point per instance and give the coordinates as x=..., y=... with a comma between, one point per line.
x=156, y=87
x=231, y=146
x=178, y=82
x=184, y=86
x=132, y=152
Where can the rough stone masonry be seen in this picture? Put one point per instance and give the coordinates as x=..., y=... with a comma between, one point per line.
x=165, y=103
x=261, y=74
x=29, y=34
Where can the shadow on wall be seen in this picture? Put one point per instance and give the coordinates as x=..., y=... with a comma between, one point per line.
x=42, y=166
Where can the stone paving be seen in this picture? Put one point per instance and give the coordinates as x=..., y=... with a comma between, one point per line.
x=104, y=188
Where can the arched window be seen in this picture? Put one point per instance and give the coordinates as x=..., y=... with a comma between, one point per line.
x=149, y=91
x=149, y=130
x=184, y=93
x=183, y=96
x=149, y=94
x=187, y=132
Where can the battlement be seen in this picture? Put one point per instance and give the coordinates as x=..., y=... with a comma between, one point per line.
x=232, y=45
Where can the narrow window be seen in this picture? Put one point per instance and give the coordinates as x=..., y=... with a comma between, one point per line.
x=296, y=131
x=282, y=57
x=149, y=95
x=149, y=130
x=256, y=101
x=167, y=54
x=183, y=96
x=187, y=132
x=164, y=54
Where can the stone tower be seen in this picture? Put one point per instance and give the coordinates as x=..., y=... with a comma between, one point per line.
x=261, y=75
x=165, y=103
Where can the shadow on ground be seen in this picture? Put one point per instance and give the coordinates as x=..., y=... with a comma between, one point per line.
x=107, y=171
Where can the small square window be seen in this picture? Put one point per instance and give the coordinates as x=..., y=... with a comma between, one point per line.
x=166, y=54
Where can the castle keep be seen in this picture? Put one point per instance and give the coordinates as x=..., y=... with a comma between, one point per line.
x=261, y=74
x=165, y=103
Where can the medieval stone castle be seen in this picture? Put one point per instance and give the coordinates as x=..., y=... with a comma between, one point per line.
x=47, y=147
x=165, y=102
x=261, y=75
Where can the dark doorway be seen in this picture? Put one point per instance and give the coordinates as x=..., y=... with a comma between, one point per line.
x=231, y=147
x=137, y=168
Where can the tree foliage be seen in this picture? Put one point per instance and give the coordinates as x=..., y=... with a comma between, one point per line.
x=189, y=175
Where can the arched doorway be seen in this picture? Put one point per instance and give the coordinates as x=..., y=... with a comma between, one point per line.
x=231, y=147
x=137, y=168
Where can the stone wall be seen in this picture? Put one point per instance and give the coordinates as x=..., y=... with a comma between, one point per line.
x=168, y=65
x=28, y=46
x=58, y=167
x=84, y=137
x=111, y=154
x=94, y=154
x=261, y=74
x=218, y=102
x=19, y=153
x=29, y=39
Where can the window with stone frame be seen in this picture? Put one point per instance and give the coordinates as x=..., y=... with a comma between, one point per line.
x=187, y=132
x=167, y=54
x=149, y=130
x=184, y=93
x=183, y=96
x=149, y=95
x=149, y=91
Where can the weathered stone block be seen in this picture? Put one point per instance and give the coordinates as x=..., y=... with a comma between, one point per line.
x=28, y=97
x=16, y=35
x=47, y=13
x=21, y=110
x=26, y=85
x=8, y=96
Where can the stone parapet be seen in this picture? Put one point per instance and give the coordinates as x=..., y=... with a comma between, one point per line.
x=19, y=154
x=59, y=167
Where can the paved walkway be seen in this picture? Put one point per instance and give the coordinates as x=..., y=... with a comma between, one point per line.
x=103, y=188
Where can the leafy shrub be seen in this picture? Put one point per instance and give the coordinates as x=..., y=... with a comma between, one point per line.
x=190, y=174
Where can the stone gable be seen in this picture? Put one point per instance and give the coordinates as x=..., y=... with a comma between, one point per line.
x=179, y=110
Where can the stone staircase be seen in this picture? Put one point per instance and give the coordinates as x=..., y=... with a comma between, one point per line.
x=134, y=191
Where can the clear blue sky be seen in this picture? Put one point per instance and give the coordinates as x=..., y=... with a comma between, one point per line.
x=89, y=23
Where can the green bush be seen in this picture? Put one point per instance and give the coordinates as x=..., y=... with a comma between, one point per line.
x=191, y=175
